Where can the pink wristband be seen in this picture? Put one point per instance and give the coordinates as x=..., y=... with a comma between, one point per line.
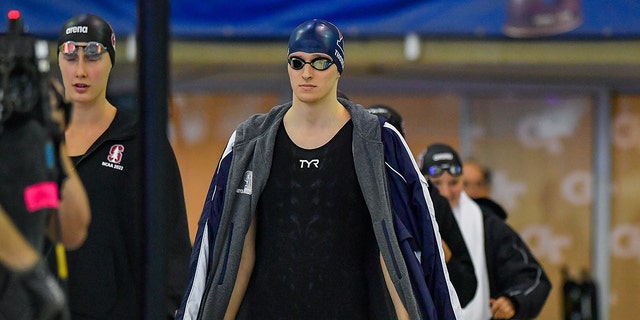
x=43, y=195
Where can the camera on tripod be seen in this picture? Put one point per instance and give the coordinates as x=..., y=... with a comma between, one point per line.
x=24, y=67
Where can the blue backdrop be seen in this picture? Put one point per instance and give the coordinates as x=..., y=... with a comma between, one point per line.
x=259, y=19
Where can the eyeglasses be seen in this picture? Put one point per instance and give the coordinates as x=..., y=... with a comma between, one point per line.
x=92, y=50
x=438, y=170
x=317, y=63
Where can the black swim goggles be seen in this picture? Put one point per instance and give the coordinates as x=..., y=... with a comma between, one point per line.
x=438, y=170
x=319, y=64
x=92, y=50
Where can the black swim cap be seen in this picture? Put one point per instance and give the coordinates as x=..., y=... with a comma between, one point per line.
x=88, y=27
x=318, y=36
x=393, y=116
x=438, y=158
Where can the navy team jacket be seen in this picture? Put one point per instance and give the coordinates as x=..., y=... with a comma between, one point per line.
x=395, y=192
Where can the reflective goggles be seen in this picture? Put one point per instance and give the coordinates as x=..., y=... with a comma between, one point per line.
x=317, y=63
x=438, y=170
x=92, y=50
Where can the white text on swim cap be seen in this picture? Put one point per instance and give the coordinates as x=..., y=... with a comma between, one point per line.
x=442, y=156
x=339, y=56
x=77, y=29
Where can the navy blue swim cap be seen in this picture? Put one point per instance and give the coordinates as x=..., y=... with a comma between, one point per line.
x=86, y=28
x=318, y=36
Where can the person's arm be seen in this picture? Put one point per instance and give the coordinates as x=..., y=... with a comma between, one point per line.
x=244, y=272
x=74, y=214
x=401, y=310
x=502, y=308
x=28, y=267
x=15, y=251
x=447, y=251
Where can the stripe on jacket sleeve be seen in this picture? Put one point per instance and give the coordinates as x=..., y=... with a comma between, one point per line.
x=199, y=279
x=207, y=230
x=227, y=151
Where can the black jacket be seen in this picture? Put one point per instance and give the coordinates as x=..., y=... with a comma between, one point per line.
x=492, y=206
x=513, y=270
x=106, y=273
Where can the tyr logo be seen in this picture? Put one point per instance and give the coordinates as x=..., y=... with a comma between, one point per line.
x=306, y=164
x=115, y=153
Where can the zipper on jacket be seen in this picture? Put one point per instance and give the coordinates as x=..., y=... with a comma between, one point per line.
x=393, y=257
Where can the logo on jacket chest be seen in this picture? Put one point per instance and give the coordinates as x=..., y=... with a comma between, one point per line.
x=116, y=152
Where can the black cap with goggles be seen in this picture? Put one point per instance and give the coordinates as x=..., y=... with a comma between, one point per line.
x=86, y=29
x=437, y=170
x=317, y=63
x=439, y=158
x=92, y=50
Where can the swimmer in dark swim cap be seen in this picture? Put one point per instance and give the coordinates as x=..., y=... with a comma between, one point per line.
x=306, y=200
x=105, y=142
x=318, y=36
